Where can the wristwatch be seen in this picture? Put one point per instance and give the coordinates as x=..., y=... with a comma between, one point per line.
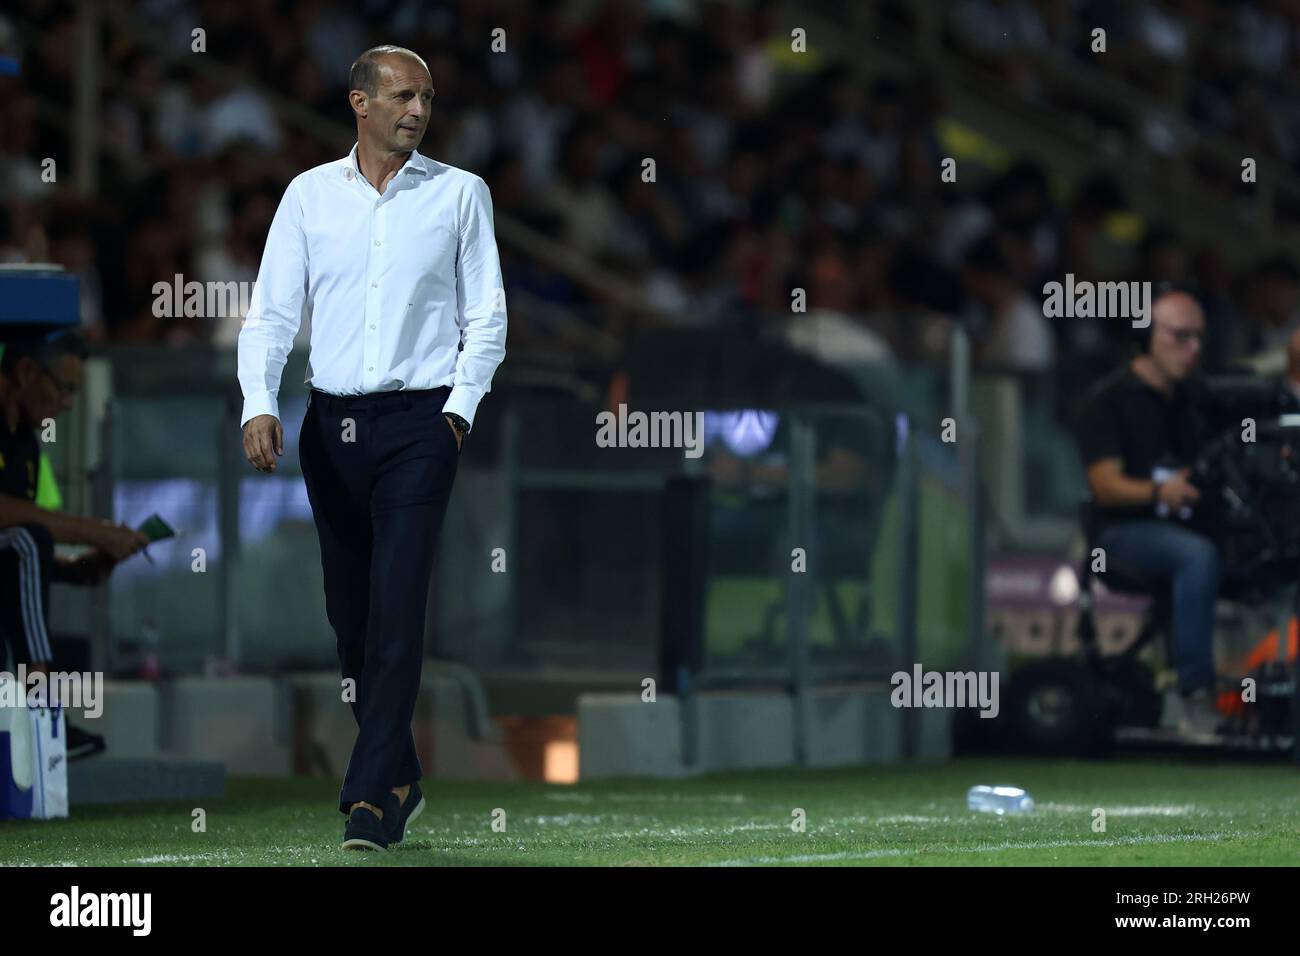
x=458, y=423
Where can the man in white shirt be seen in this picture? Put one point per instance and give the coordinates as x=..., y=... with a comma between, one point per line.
x=394, y=258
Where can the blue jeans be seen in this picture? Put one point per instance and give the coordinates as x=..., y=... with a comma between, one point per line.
x=1192, y=562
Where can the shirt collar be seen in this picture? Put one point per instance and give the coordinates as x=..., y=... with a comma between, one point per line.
x=415, y=165
x=1179, y=392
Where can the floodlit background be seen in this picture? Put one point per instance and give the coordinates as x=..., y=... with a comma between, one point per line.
x=735, y=208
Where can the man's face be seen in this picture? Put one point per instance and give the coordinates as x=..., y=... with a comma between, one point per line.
x=1176, y=339
x=47, y=391
x=398, y=114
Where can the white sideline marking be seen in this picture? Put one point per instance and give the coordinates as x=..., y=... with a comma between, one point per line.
x=567, y=819
x=705, y=829
x=994, y=848
x=177, y=857
x=656, y=830
x=227, y=855
x=676, y=797
x=650, y=797
x=173, y=858
x=1153, y=810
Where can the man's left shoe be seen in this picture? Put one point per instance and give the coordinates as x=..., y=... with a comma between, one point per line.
x=404, y=814
x=82, y=743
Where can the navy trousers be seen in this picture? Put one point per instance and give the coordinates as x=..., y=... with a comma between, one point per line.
x=378, y=470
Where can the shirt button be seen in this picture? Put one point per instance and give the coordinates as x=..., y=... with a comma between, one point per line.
x=372, y=326
x=374, y=285
x=378, y=243
x=372, y=368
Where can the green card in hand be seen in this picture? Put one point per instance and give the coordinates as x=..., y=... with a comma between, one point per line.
x=155, y=529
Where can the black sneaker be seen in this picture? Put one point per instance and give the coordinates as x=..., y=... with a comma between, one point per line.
x=365, y=831
x=82, y=743
x=401, y=818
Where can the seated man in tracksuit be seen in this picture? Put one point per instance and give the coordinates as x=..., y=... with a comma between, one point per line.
x=1140, y=432
x=37, y=383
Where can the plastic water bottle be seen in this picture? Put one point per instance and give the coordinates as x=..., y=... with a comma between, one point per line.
x=999, y=800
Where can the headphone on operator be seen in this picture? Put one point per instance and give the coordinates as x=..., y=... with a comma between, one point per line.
x=1142, y=336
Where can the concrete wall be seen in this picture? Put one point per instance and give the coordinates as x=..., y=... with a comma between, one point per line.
x=852, y=726
x=620, y=735
x=454, y=736
x=242, y=722
x=299, y=724
x=128, y=719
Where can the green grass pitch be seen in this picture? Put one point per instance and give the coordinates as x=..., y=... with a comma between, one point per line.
x=1157, y=814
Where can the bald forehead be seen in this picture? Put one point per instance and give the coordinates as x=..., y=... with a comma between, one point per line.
x=400, y=72
x=1178, y=309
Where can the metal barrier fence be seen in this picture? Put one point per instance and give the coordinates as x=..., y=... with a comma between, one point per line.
x=843, y=540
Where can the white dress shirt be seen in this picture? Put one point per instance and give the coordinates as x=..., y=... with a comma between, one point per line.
x=393, y=285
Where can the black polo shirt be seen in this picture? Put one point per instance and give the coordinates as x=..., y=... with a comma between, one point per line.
x=1128, y=419
x=20, y=458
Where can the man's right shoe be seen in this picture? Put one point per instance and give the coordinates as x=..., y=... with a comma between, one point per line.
x=401, y=818
x=365, y=831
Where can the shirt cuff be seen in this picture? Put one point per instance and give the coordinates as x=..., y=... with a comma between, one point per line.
x=260, y=403
x=463, y=401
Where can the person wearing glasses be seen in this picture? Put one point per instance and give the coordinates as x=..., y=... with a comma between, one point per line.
x=1140, y=431
x=38, y=382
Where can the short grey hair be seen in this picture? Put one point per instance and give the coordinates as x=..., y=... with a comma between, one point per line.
x=365, y=71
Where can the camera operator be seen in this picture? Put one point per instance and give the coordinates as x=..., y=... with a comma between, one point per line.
x=1141, y=430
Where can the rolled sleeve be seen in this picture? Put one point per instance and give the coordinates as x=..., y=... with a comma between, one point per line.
x=275, y=310
x=480, y=304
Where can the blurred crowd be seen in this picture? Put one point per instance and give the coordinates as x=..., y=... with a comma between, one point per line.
x=1225, y=67
x=773, y=170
